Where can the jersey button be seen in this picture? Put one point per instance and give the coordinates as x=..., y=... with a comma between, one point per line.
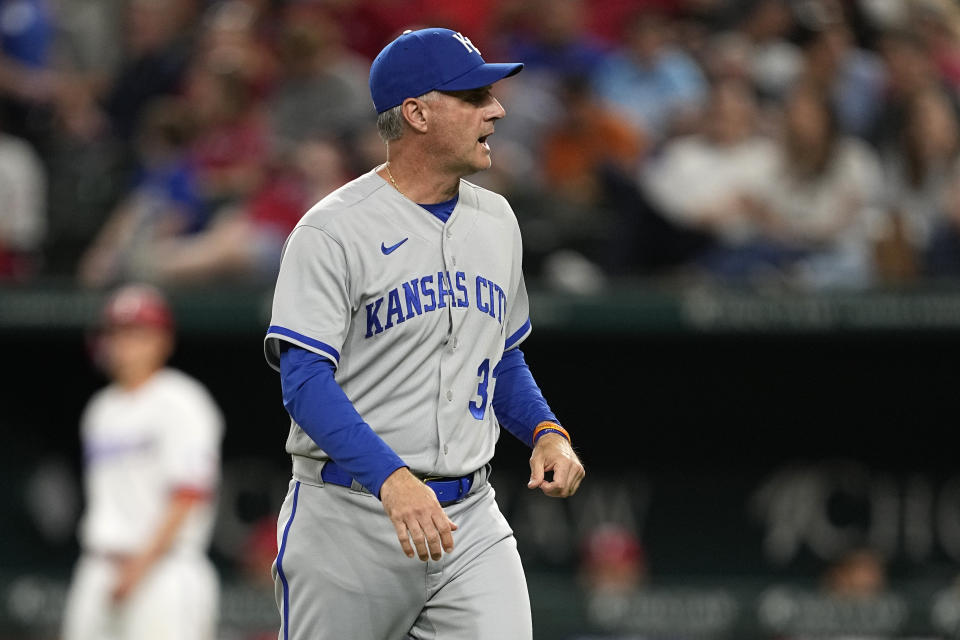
x=453, y=259
x=445, y=449
x=450, y=395
x=449, y=233
x=456, y=342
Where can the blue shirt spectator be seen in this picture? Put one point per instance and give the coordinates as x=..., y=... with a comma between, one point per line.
x=651, y=82
x=854, y=77
x=556, y=42
x=175, y=183
x=26, y=31
x=577, y=58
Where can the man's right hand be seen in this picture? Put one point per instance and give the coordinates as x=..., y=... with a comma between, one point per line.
x=415, y=512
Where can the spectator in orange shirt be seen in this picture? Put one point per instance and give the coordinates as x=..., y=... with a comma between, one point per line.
x=588, y=137
x=580, y=237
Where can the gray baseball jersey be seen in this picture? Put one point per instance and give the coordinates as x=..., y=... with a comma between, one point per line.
x=415, y=313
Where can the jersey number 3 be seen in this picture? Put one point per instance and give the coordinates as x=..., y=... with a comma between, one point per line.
x=479, y=407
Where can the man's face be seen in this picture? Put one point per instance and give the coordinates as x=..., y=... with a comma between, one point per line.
x=462, y=122
x=133, y=351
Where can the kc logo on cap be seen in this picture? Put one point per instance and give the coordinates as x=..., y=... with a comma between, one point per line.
x=465, y=41
x=439, y=59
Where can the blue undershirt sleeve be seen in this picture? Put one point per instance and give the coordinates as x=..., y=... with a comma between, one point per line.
x=318, y=404
x=517, y=400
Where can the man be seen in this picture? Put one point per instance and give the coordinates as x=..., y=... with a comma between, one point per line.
x=397, y=316
x=151, y=444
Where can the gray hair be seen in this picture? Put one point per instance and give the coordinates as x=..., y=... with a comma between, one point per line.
x=390, y=122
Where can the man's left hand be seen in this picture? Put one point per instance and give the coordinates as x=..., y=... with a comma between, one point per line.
x=554, y=453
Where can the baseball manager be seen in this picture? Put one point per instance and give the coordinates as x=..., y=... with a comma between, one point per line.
x=397, y=318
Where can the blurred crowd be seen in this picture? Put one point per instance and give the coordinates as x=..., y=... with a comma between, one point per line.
x=811, y=144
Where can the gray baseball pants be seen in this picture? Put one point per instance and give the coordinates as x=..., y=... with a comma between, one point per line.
x=340, y=572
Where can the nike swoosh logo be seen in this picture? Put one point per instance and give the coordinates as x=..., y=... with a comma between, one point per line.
x=388, y=250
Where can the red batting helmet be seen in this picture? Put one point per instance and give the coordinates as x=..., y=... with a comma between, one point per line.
x=137, y=304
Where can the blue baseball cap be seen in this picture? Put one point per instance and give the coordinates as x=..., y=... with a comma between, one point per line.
x=421, y=61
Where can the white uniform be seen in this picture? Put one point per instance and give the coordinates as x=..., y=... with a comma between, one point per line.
x=416, y=314
x=139, y=447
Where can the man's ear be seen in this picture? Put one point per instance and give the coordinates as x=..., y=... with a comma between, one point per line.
x=415, y=112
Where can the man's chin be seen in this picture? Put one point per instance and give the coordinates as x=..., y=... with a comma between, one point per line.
x=484, y=164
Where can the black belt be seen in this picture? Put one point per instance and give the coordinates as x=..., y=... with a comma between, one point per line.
x=448, y=490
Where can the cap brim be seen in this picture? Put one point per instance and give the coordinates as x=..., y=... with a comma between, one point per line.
x=482, y=75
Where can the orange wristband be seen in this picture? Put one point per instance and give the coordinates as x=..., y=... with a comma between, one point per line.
x=549, y=427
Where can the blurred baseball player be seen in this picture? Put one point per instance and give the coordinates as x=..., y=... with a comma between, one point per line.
x=151, y=447
x=397, y=317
